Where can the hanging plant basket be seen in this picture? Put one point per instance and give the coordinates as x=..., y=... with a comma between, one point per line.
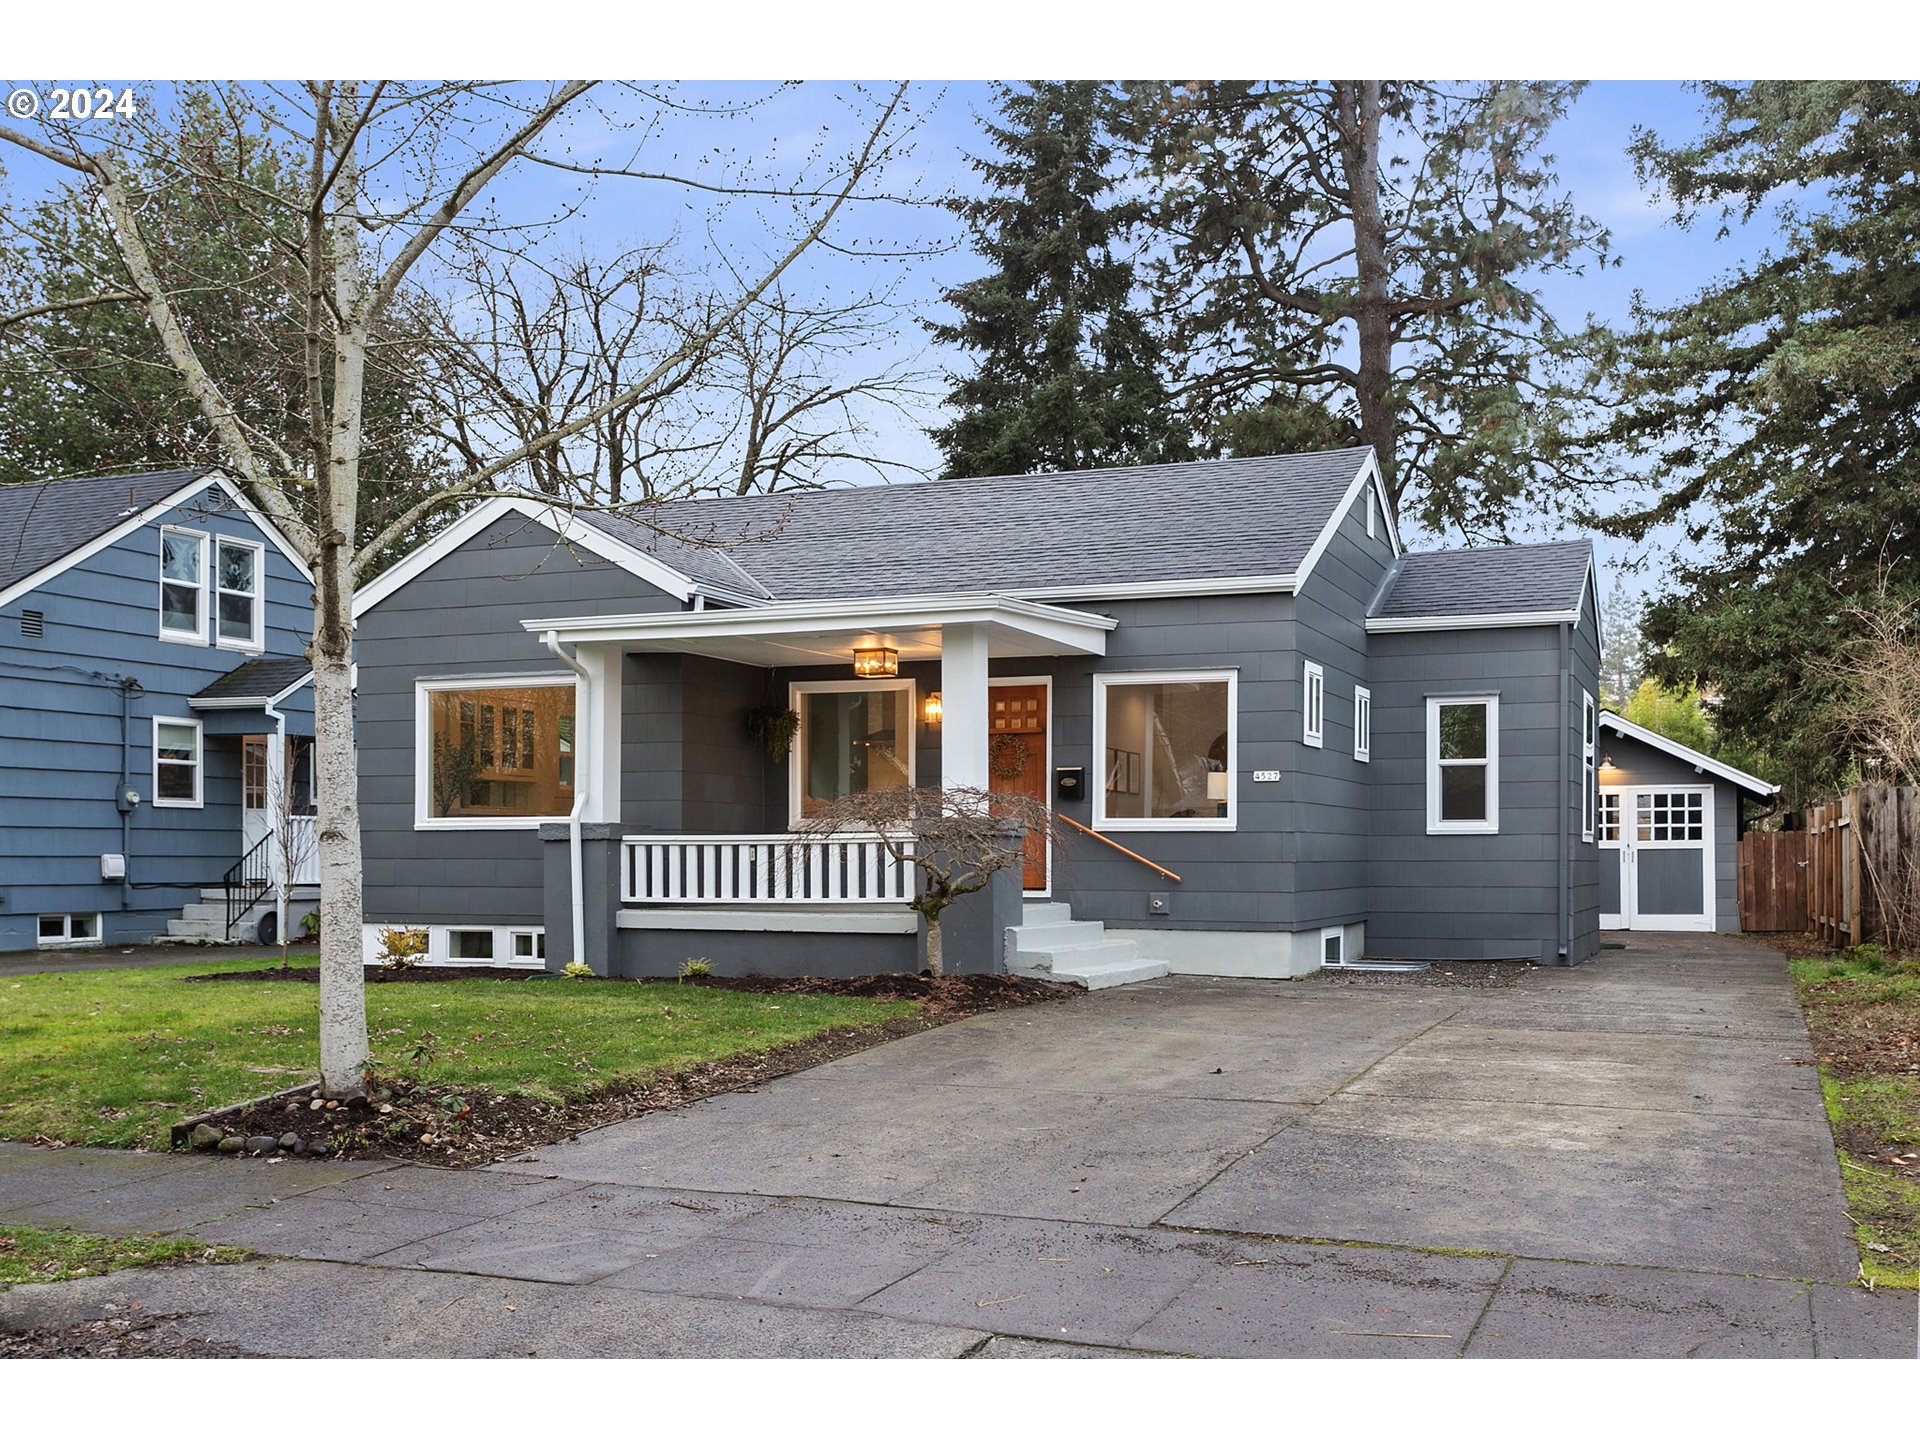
x=773, y=727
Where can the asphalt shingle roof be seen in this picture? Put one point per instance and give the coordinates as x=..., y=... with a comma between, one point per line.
x=257, y=679
x=40, y=523
x=1496, y=580
x=1200, y=520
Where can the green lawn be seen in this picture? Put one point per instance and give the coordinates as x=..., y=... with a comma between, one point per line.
x=1863, y=1009
x=29, y=1256
x=114, y=1057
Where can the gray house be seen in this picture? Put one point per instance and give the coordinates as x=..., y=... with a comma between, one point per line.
x=155, y=712
x=1274, y=740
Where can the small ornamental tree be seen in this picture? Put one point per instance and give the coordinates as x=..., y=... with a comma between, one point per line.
x=958, y=839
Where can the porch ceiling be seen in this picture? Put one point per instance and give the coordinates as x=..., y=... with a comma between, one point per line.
x=827, y=632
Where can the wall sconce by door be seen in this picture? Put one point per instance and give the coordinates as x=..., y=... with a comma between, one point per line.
x=932, y=709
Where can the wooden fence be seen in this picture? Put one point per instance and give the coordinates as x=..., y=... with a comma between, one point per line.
x=1773, y=880
x=1863, y=867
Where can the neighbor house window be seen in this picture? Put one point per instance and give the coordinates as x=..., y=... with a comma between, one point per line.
x=495, y=755
x=236, y=606
x=183, y=572
x=176, y=763
x=1463, y=765
x=1588, y=791
x=70, y=929
x=1333, y=946
x=855, y=736
x=1362, y=723
x=1166, y=744
x=1313, y=708
x=529, y=945
x=469, y=944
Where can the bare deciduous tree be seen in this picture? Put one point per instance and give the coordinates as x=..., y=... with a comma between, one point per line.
x=958, y=839
x=396, y=173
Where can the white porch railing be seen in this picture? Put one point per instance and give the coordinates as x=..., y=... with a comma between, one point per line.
x=303, y=845
x=761, y=870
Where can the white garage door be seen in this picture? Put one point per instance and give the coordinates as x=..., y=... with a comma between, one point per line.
x=1656, y=857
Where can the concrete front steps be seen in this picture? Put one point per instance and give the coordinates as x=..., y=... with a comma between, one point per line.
x=204, y=921
x=1049, y=944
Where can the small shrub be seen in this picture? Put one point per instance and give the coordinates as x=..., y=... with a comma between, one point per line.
x=401, y=949
x=696, y=969
x=578, y=970
x=1870, y=958
x=310, y=925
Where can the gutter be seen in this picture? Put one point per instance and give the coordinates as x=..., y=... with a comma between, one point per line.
x=583, y=778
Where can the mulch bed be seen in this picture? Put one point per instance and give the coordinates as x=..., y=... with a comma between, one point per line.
x=1444, y=974
x=378, y=974
x=454, y=1126
x=129, y=1334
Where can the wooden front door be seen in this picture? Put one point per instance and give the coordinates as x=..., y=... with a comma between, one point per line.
x=1017, y=760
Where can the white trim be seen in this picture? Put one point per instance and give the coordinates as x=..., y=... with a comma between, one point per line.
x=248, y=702
x=797, y=752
x=1367, y=475
x=1491, y=824
x=1362, y=724
x=140, y=520
x=1046, y=796
x=1313, y=705
x=791, y=920
x=198, y=802
x=1622, y=726
x=67, y=940
x=1589, y=766
x=423, y=817
x=1338, y=932
x=1103, y=680
x=1388, y=625
x=568, y=529
x=198, y=635
x=437, y=937
x=257, y=618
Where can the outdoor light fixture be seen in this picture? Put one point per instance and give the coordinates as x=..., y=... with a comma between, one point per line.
x=932, y=709
x=882, y=663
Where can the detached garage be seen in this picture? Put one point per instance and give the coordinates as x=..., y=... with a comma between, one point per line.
x=1669, y=823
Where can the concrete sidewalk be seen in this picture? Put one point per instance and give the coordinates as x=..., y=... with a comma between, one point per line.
x=1628, y=1159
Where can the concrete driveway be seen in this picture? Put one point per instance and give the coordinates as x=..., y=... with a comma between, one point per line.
x=1629, y=1158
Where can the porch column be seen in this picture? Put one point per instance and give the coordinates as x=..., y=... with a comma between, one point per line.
x=599, y=725
x=963, y=700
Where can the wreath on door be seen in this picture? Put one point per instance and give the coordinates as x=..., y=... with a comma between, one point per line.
x=1007, y=757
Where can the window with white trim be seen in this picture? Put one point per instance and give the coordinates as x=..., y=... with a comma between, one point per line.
x=82, y=929
x=855, y=736
x=183, y=581
x=1166, y=742
x=494, y=754
x=1609, y=826
x=1333, y=946
x=529, y=944
x=1362, y=723
x=238, y=568
x=1588, y=777
x=1372, y=502
x=1313, y=704
x=470, y=945
x=1463, y=764
x=176, y=763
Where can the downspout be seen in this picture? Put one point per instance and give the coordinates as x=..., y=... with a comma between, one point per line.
x=582, y=785
x=1565, y=921
x=280, y=812
x=127, y=687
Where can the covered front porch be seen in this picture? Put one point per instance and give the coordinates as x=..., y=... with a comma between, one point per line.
x=691, y=723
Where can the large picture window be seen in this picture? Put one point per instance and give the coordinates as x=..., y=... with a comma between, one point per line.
x=1463, y=765
x=1165, y=743
x=496, y=754
x=855, y=736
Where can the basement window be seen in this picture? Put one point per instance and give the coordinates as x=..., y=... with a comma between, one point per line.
x=470, y=945
x=57, y=930
x=1333, y=946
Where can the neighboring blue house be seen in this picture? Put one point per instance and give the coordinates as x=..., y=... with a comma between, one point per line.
x=155, y=711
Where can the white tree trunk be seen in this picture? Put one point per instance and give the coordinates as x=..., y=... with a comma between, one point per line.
x=343, y=1001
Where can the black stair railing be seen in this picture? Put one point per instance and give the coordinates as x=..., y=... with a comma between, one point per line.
x=247, y=879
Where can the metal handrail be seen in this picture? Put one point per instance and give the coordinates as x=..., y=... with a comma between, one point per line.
x=247, y=879
x=1131, y=855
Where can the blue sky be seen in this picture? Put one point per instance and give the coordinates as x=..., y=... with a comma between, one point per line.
x=1590, y=145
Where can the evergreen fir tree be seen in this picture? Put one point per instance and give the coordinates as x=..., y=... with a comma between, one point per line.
x=1066, y=373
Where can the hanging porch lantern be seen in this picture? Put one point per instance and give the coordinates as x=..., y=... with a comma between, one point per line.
x=879, y=663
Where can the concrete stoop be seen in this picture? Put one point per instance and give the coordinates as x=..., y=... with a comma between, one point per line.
x=204, y=921
x=1049, y=944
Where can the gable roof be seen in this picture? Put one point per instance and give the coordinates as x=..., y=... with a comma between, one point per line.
x=1620, y=725
x=258, y=682
x=49, y=525
x=1121, y=531
x=1494, y=585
